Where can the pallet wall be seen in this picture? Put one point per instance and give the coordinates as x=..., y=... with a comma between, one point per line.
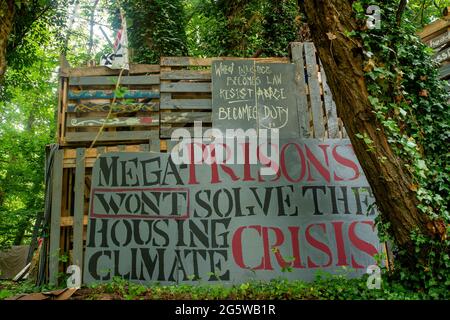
x=95, y=118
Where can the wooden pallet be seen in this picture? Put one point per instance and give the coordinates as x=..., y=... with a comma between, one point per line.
x=185, y=94
x=91, y=109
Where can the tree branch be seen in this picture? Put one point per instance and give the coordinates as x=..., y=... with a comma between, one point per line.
x=401, y=9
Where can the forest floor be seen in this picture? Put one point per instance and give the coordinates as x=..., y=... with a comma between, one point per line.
x=335, y=288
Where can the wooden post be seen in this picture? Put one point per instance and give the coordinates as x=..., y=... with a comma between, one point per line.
x=314, y=90
x=330, y=107
x=78, y=218
x=55, y=227
x=302, y=102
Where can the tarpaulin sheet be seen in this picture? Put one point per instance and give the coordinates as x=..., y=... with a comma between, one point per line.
x=12, y=261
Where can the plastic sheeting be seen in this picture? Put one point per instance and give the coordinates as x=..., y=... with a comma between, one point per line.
x=12, y=261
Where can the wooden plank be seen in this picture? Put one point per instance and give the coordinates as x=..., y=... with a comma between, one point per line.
x=166, y=131
x=185, y=87
x=60, y=110
x=441, y=56
x=433, y=28
x=185, y=117
x=444, y=71
x=112, y=81
x=111, y=136
x=330, y=107
x=78, y=213
x=116, y=108
x=109, y=94
x=69, y=222
x=206, y=62
x=104, y=71
x=314, y=90
x=154, y=145
x=113, y=122
x=185, y=61
x=63, y=114
x=186, y=75
x=440, y=40
x=302, y=102
x=168, y=103
x=93, y=152
x=55, y=229
x=101, y=150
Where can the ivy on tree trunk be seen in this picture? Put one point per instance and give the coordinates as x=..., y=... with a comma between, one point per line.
x=330, y=22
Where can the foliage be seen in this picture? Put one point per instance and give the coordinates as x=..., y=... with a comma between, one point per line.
x=412, y=106
x=324, y=287
x=27, y=104
x=423, y=12
x=281, y=25
x=155, y=28
x=241, y=28
x=33, y=19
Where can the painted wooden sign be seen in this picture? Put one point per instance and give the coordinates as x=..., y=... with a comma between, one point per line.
x=151, y=220
x=441, y=56
x=109, y=94
x=250, y=95
x=440, y=40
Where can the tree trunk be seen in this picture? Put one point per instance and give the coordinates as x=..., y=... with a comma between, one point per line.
x=343, y=62
x=7, y=11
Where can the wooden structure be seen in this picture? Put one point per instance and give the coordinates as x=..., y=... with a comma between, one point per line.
x=157, y=99
x=437, y=36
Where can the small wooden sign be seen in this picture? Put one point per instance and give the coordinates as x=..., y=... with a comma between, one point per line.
x=251, y=95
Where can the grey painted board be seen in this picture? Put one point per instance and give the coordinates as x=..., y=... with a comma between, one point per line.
x=302, y=102
x=168, y=103
x=185, y=117
x=153, y=220
x=155, y=145
x=185, y=61
x=78, y=214
x=330, y=107
x=108, y=94
x=234, y=105
x=439, y=40
x=110, y=136
x=104, y=71
x=55, y=226
x=442, y=55
x=277, y=100
x=314, y=90
x=186, y=87
x=167, y=131
x=112, y=81
x=444, y=71
x=186, y=75
x=249, y=95
x=116, y=108
x=149, y=121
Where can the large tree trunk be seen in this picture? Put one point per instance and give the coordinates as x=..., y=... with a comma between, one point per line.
x=343, y=62
x=7, y=11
